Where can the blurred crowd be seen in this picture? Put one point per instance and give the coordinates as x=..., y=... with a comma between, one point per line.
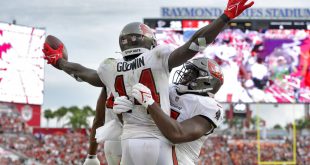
x=214, y=152
x=225, y=150
x=69, y=149
x=12, y=123
x=20, y=147
x=263, y=66
x=259, y=66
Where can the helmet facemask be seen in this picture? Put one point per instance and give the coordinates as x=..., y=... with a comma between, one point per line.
x=195, y=77
x=186, y=74
x=191, y=79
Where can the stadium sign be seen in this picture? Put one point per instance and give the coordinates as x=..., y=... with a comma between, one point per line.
x=253, y=13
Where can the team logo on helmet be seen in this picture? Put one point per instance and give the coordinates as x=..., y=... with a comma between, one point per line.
x=146, y=30
x=216, y=71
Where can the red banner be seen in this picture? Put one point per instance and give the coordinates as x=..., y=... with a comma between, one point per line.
x=31, y=114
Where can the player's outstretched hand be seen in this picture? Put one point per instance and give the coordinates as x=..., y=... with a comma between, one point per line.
x=91, y=160
x=142, y=94
x=52, y=55
x=236, y=7
x=122, y=104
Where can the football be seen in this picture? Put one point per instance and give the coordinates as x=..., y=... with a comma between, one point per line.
x=54, y=42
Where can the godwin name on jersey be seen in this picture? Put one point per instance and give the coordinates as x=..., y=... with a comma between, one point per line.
x=150, y=69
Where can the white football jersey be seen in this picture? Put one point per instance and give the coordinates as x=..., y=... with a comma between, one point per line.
x=185, y=107
x=109, y=114
x=151, y=69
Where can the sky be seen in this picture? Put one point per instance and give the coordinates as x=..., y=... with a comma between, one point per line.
x=90, y=30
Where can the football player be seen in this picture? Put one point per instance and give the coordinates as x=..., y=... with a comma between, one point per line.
x=194, y=112
x=146, y=63
x=112, y=147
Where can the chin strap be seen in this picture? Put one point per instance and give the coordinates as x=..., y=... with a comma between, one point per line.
x=211, y=95
x=133, y=51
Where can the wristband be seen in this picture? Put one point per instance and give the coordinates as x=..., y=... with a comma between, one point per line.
x=91, y=156
x=225, y=18
x=150, y=102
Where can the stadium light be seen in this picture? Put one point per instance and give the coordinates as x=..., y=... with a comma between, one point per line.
x=248, y=24
x=233, y=24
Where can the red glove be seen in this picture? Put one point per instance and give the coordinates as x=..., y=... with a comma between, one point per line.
x=52, y=55
x=236, y=7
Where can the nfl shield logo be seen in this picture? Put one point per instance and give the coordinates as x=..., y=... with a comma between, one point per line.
x=218, y=114
x=177, y=99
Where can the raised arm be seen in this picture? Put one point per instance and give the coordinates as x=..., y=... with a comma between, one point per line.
x=79, y=72
x=206, y=35
x=98, y=122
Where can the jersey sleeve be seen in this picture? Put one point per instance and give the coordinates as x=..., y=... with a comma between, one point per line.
x=164, y=52
x=210, y=109
x=104, y=70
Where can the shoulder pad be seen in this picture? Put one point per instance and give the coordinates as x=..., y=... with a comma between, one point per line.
x=109, y=60
x=212, y=109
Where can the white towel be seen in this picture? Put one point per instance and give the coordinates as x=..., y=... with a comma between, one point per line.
x=109, y=131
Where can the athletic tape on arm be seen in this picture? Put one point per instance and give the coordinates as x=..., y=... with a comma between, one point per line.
x=202, y=44
x=76, y=78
